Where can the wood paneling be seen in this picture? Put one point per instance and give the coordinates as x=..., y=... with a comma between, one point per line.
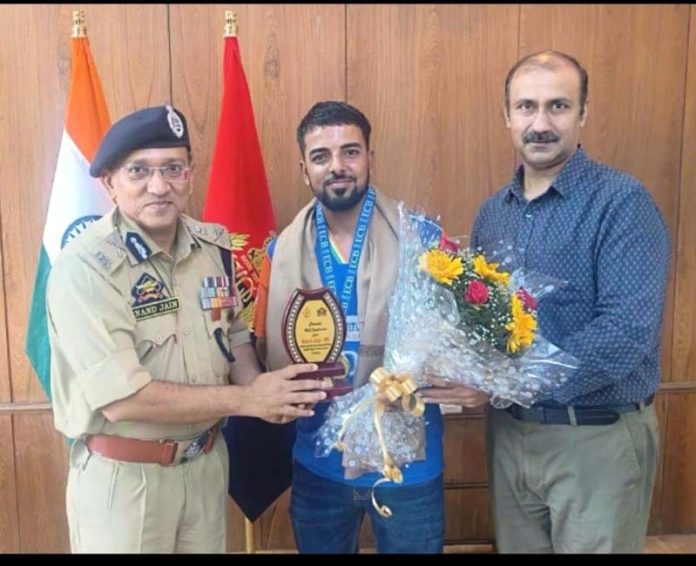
x=430, y=80
x=468, y=515
x=684, y=341
x=130, y=49
x=31, y=121
x=293, y=56
x=635, y=60
x=9, y=521
x=679, y=491
x=42, y=471
x=465, y=449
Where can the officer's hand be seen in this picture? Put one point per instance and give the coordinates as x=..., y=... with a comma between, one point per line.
x=277, y=397
x=443, y=391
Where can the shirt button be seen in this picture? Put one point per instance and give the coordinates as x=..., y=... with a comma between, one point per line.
x=528, y=215
x=187, y=331
x=158, y=338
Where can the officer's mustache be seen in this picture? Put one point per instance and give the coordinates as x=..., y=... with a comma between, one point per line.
x=539, y=137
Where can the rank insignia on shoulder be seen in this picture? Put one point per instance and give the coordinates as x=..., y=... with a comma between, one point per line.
x=150, y=299
x=137, y=246
x=103, y=259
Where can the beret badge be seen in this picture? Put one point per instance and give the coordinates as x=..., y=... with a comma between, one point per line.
x=175, y=122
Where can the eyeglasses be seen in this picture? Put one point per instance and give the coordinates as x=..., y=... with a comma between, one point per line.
x=171, y=172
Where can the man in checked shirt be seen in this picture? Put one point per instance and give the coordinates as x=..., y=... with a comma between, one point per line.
x=575, y=472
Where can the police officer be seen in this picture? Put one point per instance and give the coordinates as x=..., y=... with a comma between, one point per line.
x=146, y=337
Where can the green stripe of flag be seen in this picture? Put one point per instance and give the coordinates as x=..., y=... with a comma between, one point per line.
x=37, y=346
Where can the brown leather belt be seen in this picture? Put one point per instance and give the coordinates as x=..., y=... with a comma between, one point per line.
x=163, y=452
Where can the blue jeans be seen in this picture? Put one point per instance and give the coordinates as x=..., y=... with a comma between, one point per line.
x=326, y=515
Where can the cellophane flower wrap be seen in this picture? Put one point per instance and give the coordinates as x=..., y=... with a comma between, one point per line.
x=454, y=314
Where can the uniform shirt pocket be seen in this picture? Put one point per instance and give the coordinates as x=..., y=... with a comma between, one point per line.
x=153, y=336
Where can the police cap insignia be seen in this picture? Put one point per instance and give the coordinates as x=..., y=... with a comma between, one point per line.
x=159, y=127
x=175, y=122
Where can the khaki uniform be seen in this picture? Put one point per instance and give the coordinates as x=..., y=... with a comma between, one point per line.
x=102, y=353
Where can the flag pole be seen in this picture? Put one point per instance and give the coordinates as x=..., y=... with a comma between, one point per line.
x=79, y=27
x=231, y=31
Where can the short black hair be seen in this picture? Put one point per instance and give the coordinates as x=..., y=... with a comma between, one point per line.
x=332, y=113
x=545, y=60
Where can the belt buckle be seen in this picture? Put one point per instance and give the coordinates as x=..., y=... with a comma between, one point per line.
x=195, y=448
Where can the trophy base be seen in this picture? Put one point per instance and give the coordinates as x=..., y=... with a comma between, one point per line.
x=335, y=370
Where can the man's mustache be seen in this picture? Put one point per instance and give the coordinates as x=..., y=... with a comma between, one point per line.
x=338, y=178
x=539, y=137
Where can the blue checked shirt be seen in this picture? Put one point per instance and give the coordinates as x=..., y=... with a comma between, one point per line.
x=599, y=230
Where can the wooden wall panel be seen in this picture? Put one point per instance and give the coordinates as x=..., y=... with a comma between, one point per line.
x=31, y=122
x=9, y=521
x=430, y=79
x=465, y=450
x=679, y=496
x=684, y=341
x=42, y=471
x=468, y=515
x=129, y=45
x=293, y=57
x=635, y=60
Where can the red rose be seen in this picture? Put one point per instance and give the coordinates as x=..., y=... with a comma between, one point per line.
x=527, y=300
x=447, y=245
x=476, y=293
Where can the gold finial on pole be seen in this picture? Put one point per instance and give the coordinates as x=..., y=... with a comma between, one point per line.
x=79, y=27
x=230, y=23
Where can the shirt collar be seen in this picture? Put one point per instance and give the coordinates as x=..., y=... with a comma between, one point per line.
x=566, y=181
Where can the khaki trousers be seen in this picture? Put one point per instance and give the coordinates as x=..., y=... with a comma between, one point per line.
x=579, y=489
x=123, y=507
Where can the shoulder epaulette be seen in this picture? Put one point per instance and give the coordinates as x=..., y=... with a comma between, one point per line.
x=208, y=232
x=108, y=251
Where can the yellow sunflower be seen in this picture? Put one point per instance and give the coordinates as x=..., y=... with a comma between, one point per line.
x=489, y=270
x=521, y=328
x=441, y=266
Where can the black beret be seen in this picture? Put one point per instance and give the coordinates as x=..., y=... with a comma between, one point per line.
x=160, y=126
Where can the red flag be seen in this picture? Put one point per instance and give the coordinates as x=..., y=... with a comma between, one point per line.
x=238, y=194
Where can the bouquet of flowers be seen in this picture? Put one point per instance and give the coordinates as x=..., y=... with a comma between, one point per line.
x=455, y=314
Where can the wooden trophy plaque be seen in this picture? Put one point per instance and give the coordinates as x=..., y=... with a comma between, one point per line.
x=314, y=331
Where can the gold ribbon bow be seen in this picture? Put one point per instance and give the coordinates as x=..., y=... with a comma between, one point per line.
x=390, y=387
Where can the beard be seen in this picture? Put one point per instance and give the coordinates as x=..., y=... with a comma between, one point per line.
x=343, y=199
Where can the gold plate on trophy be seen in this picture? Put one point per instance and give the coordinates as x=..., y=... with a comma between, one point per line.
x=314, y=331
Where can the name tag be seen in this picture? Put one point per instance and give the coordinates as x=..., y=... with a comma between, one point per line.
x=156, y=308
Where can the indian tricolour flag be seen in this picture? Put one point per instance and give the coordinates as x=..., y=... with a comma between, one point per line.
x=76, y=198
